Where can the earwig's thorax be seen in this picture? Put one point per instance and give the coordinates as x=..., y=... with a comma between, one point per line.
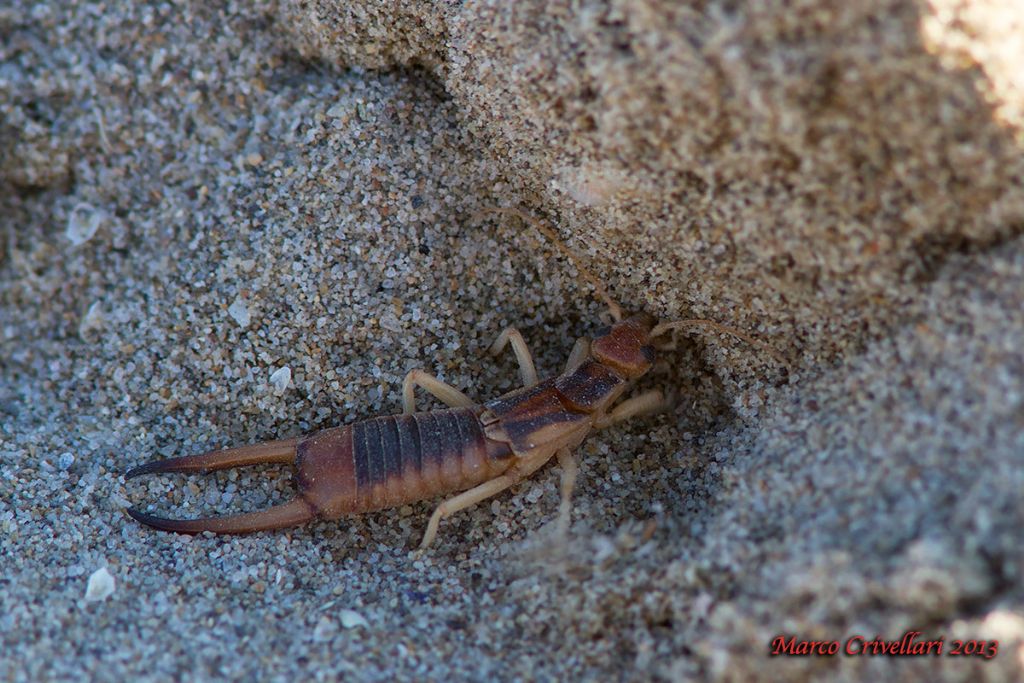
x=626, y=347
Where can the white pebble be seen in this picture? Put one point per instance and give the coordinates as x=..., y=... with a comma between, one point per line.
x=325, y=630
x=604, y=548
x=390, y=323
x=92, y=320
x=240, y=312
x=101, y=585
x=281, y=379
x=83, y=223
x=591, y=188
x=350, y=619
x=1002, y=625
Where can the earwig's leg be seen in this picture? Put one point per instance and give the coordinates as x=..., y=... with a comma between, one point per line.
x=448, y=394
x=662, y=328
x=578, y=354
x=475, y=495
x=567, y=461
x=527, y=370
x=463, y=501
x=647, y=402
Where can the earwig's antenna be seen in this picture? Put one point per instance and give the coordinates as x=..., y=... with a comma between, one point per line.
x=599, y=290
x=613, y=308
x=662, y=328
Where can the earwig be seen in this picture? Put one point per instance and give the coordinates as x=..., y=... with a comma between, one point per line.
x=477, y=449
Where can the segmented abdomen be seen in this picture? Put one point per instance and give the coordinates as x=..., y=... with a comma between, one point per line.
x=388, y=461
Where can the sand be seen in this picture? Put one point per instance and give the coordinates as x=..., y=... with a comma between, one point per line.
x=224, y=225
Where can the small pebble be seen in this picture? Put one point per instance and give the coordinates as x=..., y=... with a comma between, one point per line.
x=83, y=223
x=325, y=630
x=281, y=379
x=351, y=619
x=92, y=320
x=101, y=586
x=240, y=312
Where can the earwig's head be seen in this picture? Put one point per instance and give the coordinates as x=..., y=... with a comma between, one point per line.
x=626, y=346
x=629, y=344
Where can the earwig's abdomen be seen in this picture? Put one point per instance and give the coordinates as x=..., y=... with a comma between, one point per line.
x=389, y=461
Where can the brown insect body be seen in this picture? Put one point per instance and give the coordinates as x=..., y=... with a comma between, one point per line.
x=485, y=448
x=389, y=461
